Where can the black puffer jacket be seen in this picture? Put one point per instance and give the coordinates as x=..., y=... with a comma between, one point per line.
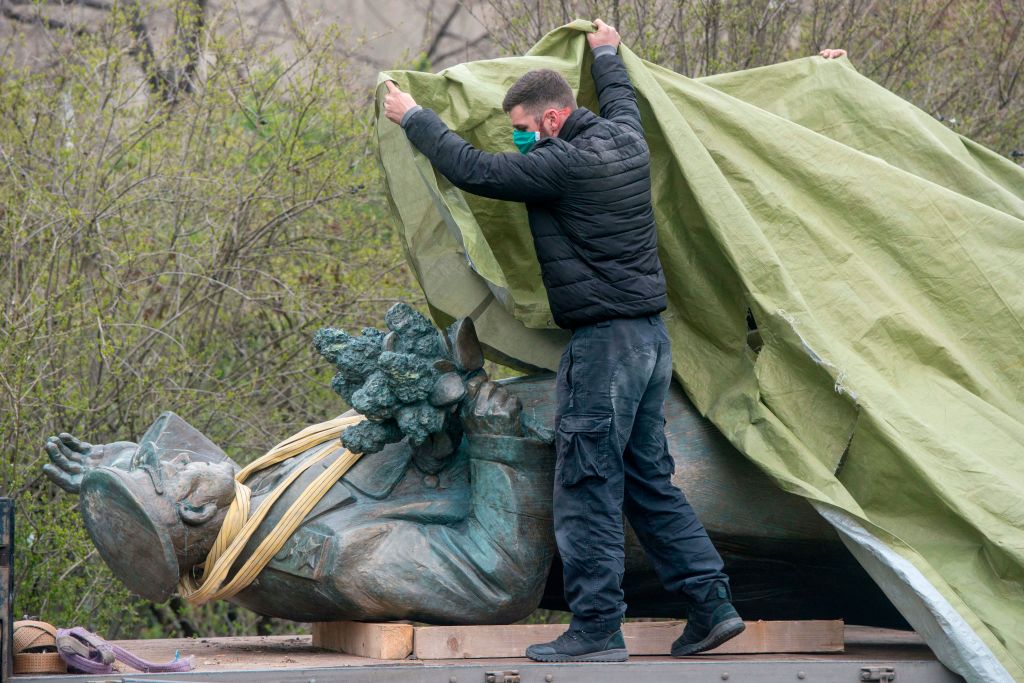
x=588, y=194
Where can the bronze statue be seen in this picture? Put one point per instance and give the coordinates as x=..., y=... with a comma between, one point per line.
x=446, y=518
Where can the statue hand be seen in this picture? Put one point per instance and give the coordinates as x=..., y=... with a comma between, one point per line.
x=490, y=409
x=71, y=458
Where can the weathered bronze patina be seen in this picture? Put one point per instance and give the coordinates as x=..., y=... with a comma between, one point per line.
x=447, y=516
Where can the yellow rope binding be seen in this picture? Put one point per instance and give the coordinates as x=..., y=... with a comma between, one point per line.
x=238, y=527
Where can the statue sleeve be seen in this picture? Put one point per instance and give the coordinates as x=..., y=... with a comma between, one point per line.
x=489, y=568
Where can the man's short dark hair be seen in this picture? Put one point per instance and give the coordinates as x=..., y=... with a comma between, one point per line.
x=538, y=90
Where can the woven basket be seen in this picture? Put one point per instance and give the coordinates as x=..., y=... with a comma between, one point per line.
x=35, y=649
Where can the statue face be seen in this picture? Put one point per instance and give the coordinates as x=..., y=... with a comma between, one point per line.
x=196, y=486
x=154, y=520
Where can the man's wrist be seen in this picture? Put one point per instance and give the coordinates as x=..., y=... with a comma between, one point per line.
x=409, y=114
x=603, y=50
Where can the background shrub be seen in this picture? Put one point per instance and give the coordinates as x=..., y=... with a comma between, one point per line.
x=164, y=252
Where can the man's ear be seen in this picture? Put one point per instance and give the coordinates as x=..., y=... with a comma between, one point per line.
x=194, y=516
x=556, y=119
x=550, y=117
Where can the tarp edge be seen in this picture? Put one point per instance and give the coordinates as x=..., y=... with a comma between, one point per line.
x=949, y=636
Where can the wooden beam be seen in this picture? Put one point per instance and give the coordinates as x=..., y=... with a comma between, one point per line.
x=378, y=641
x=642, y=638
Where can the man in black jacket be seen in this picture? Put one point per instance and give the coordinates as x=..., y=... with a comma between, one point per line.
x=586, y=183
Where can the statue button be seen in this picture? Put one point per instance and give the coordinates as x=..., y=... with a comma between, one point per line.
x=430, y=481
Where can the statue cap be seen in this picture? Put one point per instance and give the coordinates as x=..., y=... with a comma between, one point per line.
x=138, y=550
x=170, y=435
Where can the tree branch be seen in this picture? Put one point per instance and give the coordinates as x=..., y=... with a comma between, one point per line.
x=442, y=30
x=91, y=4
x=38, y=19
x=468, y=44
x=142, y=48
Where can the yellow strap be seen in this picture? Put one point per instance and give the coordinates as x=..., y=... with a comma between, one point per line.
x=297, y=443
x=238, y=527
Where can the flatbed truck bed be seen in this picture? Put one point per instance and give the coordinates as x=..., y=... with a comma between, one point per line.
x=870, y=654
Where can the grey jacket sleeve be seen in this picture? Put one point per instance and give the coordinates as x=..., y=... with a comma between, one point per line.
x=409, y=114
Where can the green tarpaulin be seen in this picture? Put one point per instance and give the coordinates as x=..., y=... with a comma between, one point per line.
x=881, y=255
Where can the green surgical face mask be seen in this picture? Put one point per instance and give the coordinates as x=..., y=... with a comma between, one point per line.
x=525, y=139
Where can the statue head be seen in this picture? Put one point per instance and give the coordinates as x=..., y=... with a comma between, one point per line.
x=158, y=518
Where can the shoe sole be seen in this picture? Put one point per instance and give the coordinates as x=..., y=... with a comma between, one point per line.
x=616, y=655
x=727, y=630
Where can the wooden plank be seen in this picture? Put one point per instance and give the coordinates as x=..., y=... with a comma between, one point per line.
x=248, y=653
x=378, y=641
x=885, y=637
x=477, y=642
x=274, y=658
x=642, y=638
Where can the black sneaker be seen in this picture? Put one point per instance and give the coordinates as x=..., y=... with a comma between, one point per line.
x=707, y=628
x=581, y=646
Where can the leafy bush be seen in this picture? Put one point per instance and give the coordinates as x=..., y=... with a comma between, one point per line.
x=173, y=253
x=960, y=60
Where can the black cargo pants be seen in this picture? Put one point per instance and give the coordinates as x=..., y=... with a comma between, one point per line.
x=612, y=456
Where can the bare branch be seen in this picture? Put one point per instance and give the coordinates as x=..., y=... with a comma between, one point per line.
x=442, y=30
x=91, y=4
x=467, y=45
x=38, y=19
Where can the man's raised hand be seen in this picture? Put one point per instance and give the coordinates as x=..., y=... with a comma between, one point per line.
x=396, y=102
x=604, y=35
x=832, y=53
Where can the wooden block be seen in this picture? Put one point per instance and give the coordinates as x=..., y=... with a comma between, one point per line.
x=475, y=642
x=760, y=637
x=379, y=641
x=642, y=638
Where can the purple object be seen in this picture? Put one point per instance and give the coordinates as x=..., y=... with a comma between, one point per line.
x=101, y=655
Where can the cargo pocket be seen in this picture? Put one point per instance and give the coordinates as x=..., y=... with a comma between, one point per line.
x=582, y=443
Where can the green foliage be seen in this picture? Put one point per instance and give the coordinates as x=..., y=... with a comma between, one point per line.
x=173, y=253
x=960, y=60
